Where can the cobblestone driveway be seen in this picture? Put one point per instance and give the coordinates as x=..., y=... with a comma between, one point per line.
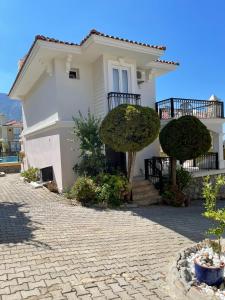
x=51, y=250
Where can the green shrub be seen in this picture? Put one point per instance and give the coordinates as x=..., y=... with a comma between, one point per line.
x=184, y=138
x=105, y=188
x=92, y=158
x=130, y=128
x=183, y=178
x=30, y=174
x=210, y=193
x=84, y=190
x=173, y=196
x=112, y=188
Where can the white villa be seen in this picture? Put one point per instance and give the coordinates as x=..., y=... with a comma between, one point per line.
x=57, y=79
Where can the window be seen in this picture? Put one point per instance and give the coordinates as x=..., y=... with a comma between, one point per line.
x=16, y=133
x=120, y=79
x=74, y=74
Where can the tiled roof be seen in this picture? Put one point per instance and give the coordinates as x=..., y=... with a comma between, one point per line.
x=14, y=123
x=92, y=32
x=95, y=32
x=48, y=39
x=168, y=62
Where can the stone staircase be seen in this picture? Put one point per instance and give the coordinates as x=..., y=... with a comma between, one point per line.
x=144, y=193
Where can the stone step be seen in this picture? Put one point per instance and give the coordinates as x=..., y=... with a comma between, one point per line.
x=143, y=188
x=148, y=201
x=140, y=183
x=144, y=193
x=149, y=194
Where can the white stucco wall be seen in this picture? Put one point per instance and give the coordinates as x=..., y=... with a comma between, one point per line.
x=41, y=103
x=43, y=150
x=57, y=97
x=73, y=94
x=69, y=157
x=99, y=88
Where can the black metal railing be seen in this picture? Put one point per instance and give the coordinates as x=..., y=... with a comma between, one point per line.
x=115, y=99
x=178, y=107
x=158, y=169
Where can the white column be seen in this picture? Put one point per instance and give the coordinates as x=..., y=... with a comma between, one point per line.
x=219, y=148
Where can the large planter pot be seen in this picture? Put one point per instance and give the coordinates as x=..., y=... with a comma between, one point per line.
x=212, y=276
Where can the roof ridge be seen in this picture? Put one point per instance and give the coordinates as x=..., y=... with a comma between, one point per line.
x=96, y=32
x=170, y=62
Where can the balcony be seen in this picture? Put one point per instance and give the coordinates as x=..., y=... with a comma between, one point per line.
x=115, y=99
x=178, y=107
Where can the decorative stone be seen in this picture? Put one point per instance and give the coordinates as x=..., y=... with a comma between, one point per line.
x=182, y=280
x=36, y=185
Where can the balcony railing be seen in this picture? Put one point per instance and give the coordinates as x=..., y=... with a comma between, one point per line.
x=158, y=169
x=115, y=99
x=177, y=107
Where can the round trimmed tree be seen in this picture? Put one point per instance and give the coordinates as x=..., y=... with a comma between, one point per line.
x=183, y=139
x=130, y=128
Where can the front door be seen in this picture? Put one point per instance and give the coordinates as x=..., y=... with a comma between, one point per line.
x=116, y=161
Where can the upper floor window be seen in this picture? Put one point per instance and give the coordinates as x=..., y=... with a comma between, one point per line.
x=16, y=133
x=120, y=79
x=74, y=74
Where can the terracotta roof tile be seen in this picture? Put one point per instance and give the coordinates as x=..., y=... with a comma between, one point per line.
x=168, y=62
x=14, y=123
x=95, y=32
x=48, y=39
x=92, y=32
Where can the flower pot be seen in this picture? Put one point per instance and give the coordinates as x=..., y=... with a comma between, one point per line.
x=209, y=275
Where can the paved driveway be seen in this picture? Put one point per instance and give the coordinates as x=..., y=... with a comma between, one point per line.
x=51, y=250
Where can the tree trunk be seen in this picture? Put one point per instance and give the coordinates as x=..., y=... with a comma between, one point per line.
x=130, y=169
x=173, y=171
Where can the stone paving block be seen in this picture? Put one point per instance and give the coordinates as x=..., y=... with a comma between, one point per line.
x=5, y=291
x=94, y=291
x=109, y=294
x=71, y=296
x=80, y=290
x=30, y=293
x=71, y=252
x=14, y=296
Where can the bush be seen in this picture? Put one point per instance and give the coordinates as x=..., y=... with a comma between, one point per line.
x=183, y=178
x=30, y=174
x=185, y=138
x=105, y=189
x=84, y=190
x=173, y=196
x=112, y=188
x=210, y=193
x=92, y=159
x=130, y=128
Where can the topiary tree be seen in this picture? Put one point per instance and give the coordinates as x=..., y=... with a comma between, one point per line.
x=184, y=138
x=130, y=128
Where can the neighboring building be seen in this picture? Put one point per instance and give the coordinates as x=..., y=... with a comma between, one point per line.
x=11, y=109
x=9, y=135
x=57, y=79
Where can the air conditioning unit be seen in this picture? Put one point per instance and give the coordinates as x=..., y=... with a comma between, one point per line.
x=140, y=76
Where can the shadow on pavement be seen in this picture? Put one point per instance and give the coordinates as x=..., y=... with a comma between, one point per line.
x=16, y=226
x=187, y=221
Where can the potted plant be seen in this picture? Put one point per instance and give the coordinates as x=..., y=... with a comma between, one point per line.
x=209, y=266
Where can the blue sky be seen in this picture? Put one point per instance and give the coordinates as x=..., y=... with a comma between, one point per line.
x=192, y=30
